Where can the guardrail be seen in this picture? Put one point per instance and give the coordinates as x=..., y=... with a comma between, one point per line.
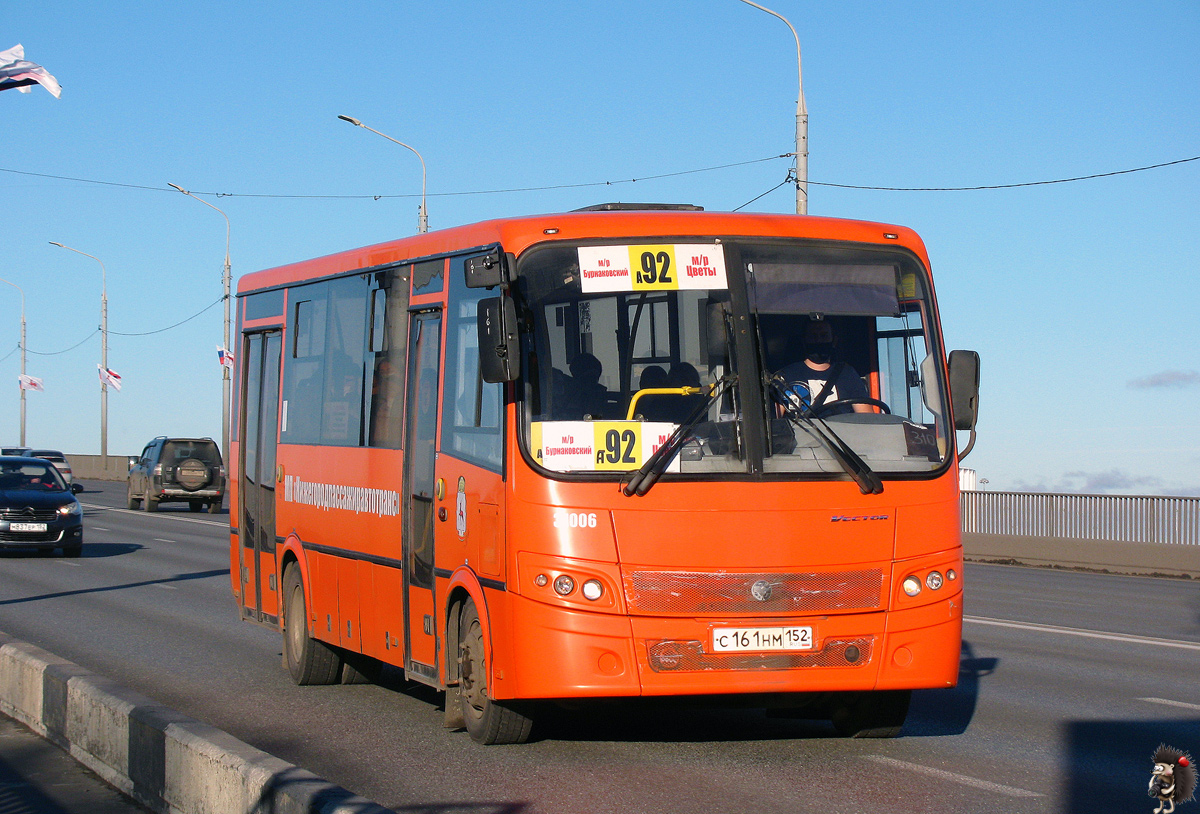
x=1114, y=518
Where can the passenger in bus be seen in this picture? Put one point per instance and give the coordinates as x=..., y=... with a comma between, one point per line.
x=655, y=406
x=587, y=396
x=821, y=377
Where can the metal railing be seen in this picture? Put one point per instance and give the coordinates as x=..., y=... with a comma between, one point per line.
x=1116, y=518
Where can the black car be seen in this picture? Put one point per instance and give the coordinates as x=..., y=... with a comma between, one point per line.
x=187, y=470
x=37, y=508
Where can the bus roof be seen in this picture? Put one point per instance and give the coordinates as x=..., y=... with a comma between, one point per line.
x=519, y=233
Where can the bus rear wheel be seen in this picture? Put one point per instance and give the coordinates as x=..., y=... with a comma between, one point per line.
x=487, y=721
x=878, y=714
x=307, y=660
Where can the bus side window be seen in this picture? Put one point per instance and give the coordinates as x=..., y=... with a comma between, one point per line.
x=389, y=339
x=471, y=417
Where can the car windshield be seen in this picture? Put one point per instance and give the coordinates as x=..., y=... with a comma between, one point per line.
x=32, y=476
x=823, y=354
x=176, y=452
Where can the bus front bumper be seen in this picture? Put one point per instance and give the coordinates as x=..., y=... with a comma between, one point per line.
x=562, y=653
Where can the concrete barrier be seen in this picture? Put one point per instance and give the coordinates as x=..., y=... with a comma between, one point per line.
x=1098, y=555
x=164, y=760
x=96, y=467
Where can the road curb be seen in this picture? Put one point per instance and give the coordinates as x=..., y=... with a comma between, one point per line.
x=159, y=757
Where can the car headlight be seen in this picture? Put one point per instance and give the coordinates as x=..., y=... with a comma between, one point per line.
x=70, y=509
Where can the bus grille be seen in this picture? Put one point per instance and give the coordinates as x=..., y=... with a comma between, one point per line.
x=689, y=656
x=688, y=592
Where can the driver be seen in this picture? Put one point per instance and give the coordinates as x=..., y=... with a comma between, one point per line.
x=824, y=379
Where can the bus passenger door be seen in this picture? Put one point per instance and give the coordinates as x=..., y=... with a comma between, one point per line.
x=256, y=521
x=420, y=419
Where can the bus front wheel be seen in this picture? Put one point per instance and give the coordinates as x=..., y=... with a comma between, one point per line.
x=878, y=714
x=487, y=721
x=307, y=660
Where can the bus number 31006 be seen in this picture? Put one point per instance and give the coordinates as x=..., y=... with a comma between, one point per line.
x=574, y=520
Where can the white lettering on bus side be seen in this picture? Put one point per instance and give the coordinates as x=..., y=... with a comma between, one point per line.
x=326, y=496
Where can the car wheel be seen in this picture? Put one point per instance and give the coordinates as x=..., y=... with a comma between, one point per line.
x=308, y=660
x=196, y=505
x=214, y=507
x=487, y=721
x=131, y=502
x=150, y=504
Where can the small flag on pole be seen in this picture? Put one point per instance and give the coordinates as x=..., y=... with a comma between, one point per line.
x=30, y=382
x=224, y=357
x=15, y=72
x=109, y=377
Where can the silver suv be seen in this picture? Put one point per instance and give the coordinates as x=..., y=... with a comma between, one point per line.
x=186, y=470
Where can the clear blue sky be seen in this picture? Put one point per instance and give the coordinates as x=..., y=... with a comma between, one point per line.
x=1081, y=297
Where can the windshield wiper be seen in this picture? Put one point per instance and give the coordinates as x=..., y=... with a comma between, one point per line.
x=868, y=482
x=641, y=480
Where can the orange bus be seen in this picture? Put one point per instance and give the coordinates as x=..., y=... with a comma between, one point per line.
x=635, y=450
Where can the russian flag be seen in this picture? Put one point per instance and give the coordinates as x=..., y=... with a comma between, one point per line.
x=224, y=357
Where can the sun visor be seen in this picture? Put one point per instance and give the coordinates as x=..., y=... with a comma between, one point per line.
x=810, y=288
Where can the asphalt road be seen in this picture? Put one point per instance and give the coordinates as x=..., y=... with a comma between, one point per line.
x=1069, y=681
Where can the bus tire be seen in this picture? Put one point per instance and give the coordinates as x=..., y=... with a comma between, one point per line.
x=486, y=721
x=878, y=714
x=308, y=661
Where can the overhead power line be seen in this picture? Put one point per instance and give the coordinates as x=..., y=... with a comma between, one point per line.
x=973, y=188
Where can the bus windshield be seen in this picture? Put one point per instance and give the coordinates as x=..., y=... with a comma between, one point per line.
x=816, y=348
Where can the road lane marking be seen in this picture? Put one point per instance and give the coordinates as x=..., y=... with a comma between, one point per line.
x=72, y=564
x=167, y=515
x=100, y=528
x=164, y=540
x=1168, y=702
x=165, y=587
x=1088, y=634
x=962, y=779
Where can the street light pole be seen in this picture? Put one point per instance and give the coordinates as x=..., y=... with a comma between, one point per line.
x=801, y=122
x=103, y=351
x=225, y=280
x=422, y=214
x=14, y=285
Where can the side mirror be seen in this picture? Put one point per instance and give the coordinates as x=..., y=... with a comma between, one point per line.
x=486, y=270
x=498, y=348
x=76, y=487
x=964, y=388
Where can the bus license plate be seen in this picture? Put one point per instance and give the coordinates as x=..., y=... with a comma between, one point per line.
x=739, y=639
x=27, y=526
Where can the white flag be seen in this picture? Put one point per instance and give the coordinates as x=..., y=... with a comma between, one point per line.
x=30, y=382
x=15, y=72
x=109, y=377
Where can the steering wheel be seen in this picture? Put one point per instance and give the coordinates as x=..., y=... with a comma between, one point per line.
x=821, y=410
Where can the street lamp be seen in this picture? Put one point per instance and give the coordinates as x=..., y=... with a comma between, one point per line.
x=422, y=214
x=225, y=279
x=103, y=351
x=14, y=285
x=801, y=122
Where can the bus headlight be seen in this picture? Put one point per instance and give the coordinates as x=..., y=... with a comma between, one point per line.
x=564, y=585
x=912, y=585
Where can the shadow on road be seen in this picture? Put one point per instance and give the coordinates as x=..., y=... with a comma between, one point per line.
x=1107, y=764
x=949, y=711
x=220, y=572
